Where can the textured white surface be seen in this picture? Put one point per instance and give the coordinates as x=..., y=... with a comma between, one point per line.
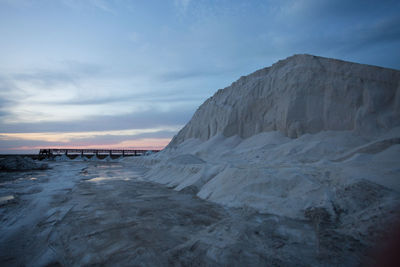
x=298, y=95
x=307, y=132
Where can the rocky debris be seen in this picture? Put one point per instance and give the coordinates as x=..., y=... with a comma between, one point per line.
x=18, y=163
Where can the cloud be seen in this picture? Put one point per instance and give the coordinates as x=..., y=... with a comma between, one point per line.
x=84, y=5
x=4, y=106
x=80, y=91
x=69, y=72
x=153, y=68
x=381, y=32
x=31, y=147
x=130, y=99
x=147, y=139
x=309, y=10
x=32, y=95
x=340, y=29
x=190, y=74
x=5, y=101
x=137, y=120
x=87, y=137
x=46, y=79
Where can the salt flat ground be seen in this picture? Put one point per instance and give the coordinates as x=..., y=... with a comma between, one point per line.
x=102, y=213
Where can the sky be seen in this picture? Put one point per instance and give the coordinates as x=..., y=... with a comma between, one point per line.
x=131, y=73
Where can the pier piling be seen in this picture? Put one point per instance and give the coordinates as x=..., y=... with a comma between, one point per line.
x=50, y=152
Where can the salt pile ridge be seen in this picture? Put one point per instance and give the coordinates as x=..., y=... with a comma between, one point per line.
x=302, y=94
x=308, y=134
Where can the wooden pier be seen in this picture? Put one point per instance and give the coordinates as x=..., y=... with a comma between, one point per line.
x=51, y=152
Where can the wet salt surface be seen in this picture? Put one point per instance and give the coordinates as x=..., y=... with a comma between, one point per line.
x=81, y=213
x=6, y=199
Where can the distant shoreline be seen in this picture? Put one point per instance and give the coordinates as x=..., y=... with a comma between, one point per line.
x=37, y=156
x=32, y=156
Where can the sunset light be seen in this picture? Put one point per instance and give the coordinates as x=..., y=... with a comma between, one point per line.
x=199, y=133
x=115, y=73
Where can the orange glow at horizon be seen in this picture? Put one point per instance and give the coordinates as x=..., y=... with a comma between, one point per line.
x=64, y=137
x=146, y=144
x=114, y=139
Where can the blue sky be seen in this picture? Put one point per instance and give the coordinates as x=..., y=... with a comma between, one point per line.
x=122, y=73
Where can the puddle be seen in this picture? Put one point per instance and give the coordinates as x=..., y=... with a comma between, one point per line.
x=105, y=178
x=98, y=179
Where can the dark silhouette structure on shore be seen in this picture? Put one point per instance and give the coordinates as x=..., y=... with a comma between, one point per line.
x=52, y=152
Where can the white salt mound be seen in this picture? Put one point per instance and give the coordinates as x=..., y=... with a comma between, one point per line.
x=298, y=95
x=308, y=133
x=186, y=159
